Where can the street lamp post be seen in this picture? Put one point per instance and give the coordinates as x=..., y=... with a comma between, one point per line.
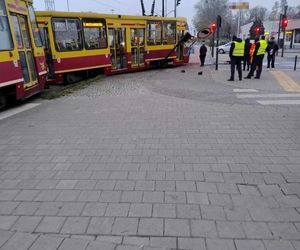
x=68, y=5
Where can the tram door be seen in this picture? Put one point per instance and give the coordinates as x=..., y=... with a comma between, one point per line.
x=137, y=47
x=48, y=53
x=180, y=48
x=24, y=46
x=117, y=41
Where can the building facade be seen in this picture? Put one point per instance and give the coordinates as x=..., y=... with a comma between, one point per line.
x=292, y=34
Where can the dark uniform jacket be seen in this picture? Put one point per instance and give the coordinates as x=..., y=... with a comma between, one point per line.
x=272, y=48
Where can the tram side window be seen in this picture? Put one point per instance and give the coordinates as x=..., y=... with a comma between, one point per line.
x=154, y=31
x=94, y=34
x=67, y=34
x=35, y=30
x=5, y=35
x=169, y=32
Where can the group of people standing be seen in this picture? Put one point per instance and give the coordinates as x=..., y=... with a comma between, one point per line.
x=252, y=55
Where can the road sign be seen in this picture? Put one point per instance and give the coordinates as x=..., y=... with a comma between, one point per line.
x=239, y=6
x=204, y=33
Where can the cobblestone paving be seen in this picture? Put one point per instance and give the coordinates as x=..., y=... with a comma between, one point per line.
x=126, y=165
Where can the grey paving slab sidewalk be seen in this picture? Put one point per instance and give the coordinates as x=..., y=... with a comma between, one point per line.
x=147, y=161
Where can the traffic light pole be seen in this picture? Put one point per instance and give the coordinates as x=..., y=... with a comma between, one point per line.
x=279, y=29
x=213, y=44
x=175, y=8
x=284, y=28
x=163, y=8
x=219, y=24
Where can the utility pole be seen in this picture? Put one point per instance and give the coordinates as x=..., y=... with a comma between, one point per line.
x=176, y=3
x=50, y=5
x=283, y=28
x=175, y=8
x=163, y=8
x=68, y=5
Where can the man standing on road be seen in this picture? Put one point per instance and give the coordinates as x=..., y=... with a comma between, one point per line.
x=236, y=55
x=258, y=57
x=203, y=51
x=247, y=54
x=272, y=50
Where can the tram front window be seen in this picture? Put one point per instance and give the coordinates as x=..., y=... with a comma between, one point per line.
x=67, y=33
x=35, y=29
x=5, y=35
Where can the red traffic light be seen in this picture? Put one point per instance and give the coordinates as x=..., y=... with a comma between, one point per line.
x=285, y=22
x=213, y=26
x=257, y=30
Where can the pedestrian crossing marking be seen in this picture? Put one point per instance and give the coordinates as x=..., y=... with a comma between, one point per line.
x=245, y=90
x=270, y=97
x=279, y=102
x=286, y=82
x=240, y=96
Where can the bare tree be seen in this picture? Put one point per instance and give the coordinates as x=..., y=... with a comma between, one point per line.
x=283, y=3
x=207, y=11
x=274, y=15
x=297, y=15
x=257, y=13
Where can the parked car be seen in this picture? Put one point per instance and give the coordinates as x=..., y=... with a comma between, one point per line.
x=224, y=48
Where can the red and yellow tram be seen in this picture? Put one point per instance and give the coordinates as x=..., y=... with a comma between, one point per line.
x=23, y=67
x=78, y=43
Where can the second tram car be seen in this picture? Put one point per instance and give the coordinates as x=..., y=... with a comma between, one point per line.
x=23, y=67
x=79, y=43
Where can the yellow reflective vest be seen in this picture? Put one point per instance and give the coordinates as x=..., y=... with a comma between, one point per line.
x=262, y=48
x=239, y=49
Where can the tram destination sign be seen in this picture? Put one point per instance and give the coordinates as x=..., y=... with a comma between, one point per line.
x=239, y=5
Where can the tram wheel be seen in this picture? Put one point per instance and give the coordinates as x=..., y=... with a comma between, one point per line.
x=3, y=101
x=72, y=78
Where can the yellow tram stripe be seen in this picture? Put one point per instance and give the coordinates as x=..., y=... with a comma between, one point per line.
x=79, y=69
x=286, y=82
x=161, y=58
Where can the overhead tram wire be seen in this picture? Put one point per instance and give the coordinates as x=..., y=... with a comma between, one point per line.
x=108, y=5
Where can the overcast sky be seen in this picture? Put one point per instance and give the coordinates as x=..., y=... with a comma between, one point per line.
x=133, y=7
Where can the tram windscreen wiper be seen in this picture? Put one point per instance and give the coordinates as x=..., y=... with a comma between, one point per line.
x=187, y=36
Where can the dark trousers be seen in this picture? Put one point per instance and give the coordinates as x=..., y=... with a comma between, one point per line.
x=253, y=66
x=202, y=59
x=247, y=63
x=271, y=60
x=257, y=64
x=236, y=62
x=260, y=60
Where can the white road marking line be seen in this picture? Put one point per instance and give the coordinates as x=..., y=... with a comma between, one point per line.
x=245, y=90
x=17, y=110
x=267, y=95
x=279, y=102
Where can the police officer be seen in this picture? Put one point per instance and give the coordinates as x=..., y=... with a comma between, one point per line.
x=258, y=57
x=272, y=50
x=202, y=53
x=247, y=54
x=236, y=55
